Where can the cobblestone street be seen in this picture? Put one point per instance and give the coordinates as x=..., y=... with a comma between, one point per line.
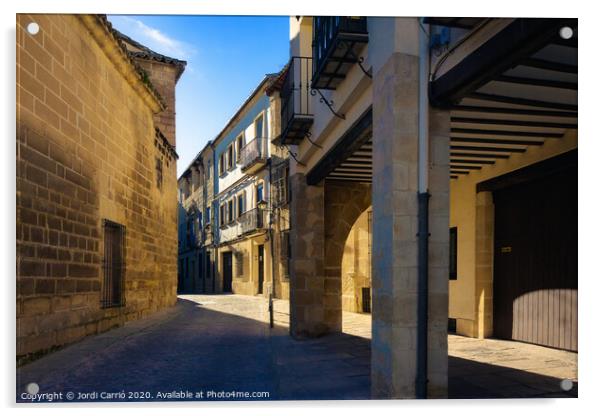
x=215, y=343
x=207, y=343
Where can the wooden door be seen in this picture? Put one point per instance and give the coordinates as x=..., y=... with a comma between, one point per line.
x=227, y=273
x=535, y=261
x=260, y=265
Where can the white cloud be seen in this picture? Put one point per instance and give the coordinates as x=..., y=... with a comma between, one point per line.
x=152, y=38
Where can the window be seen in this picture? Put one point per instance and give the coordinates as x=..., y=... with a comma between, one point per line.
x=113, y=265
x=259, y=126
x=259, y=193
x=207, y=215
x=230, y=157
x=453, y=253
x=280, y=186
x=222, y=214
x=240, y=143
x=159, y=172
x=208, y=173
x=241, y=204
x=230, y=210
x=222, y=163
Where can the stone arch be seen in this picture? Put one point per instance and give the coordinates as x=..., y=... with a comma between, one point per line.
x=356, y=266
x=344, y=202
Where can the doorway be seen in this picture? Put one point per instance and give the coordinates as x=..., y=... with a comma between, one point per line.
x=227, y=267
x=260, y=266
x=535, y=261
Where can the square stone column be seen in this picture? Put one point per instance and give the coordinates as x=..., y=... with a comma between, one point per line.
x=395, y=241
x=307, y=258
x=438, y=269
x=484, y=265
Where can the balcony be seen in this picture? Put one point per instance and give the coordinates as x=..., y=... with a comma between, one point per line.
x=254, y=155
x=296, y=112
x=252, y=221
x=337, y=46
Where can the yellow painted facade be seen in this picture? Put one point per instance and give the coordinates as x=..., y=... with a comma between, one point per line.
x=470, y=296
x=245, y=265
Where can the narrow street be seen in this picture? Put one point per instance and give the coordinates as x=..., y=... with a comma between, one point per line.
x=222, y=343
x=210, y=344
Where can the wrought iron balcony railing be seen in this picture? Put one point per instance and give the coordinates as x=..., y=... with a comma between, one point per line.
x=252, y=220
x=295, y=97
x=254, y=155
x=337, y=45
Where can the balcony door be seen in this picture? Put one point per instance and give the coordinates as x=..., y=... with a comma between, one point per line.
x=259, y=127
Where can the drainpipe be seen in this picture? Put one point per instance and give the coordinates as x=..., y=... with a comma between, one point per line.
x=213, y=222
x=271, y=237
x=423, y=200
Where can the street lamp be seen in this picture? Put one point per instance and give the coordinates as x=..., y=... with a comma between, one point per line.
x=262, y=204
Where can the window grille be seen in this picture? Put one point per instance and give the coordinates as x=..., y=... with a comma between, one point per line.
x=280, y=185
x=113, y=290
x=159, y=172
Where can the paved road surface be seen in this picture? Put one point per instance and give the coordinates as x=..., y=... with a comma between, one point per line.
x=218, y=345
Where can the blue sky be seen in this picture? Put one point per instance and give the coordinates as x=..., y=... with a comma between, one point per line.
x=227, y=57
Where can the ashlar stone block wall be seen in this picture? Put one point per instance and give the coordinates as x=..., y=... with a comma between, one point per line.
x=395, y=240
x=86, y=151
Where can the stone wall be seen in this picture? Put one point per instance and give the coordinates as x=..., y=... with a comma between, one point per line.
x=344, y=203
x=163, y=76
x=86, y=151
x=307, y=258
x=395, y=240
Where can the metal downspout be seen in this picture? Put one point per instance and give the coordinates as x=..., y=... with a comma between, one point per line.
x=423, y=201
x=271, y=237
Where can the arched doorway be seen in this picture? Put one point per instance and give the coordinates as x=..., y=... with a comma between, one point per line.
x=344, y=203
x=356, y=266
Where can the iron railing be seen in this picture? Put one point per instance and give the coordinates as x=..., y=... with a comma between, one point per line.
x=328, y=31
x=253, y=152
x=295, y=94
x=252, y=220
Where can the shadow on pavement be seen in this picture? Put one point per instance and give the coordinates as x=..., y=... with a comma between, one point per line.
x=225, y=356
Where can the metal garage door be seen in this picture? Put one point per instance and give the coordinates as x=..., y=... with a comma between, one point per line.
x=535, y=261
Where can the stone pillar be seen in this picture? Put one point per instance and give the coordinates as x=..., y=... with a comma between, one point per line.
x=307, y=258
x=484, y=265
x=395, y=223
x=439, y=132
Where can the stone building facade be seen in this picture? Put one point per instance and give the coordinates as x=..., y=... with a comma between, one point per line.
x=234, y=206
x=196, y=269
x=96, y=181
x=428, y=145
